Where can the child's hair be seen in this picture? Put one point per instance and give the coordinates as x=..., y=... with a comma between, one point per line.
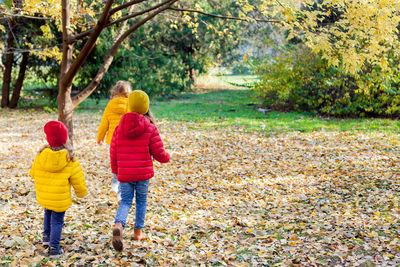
x=121, y=88
x=70, y=152
x=150, y=116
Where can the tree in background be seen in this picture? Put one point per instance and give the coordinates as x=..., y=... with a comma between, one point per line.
x=16, y=29
x=31, y=38
x=337, y=62
x=162, y=58
x=144, y=12
x=363, y=36
x=78, y=25
x=351, y=34
x=142, y=60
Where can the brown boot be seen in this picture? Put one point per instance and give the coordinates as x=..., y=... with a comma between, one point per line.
x=139, y=235
x=117, y=237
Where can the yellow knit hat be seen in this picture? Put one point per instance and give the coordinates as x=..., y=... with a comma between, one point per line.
x=138, y=102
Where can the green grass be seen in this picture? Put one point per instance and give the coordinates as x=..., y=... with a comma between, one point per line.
x=225, y=81
x=236, y=108
x=239, y=80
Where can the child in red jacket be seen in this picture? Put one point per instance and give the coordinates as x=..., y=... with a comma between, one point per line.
x=134, y=142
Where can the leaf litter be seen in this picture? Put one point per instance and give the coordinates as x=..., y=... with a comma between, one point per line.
x=226, y=198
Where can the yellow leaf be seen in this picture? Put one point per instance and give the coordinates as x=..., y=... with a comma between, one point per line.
x=76, y=255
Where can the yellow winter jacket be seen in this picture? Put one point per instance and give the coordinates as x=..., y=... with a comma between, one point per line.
x=113, y=113
x=54, y=174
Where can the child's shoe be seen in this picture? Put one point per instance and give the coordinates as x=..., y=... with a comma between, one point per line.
x=139, y=235
x=56, y=252
x=117, y=237
x=46, y=240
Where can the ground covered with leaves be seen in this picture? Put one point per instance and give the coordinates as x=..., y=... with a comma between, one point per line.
x=229, y=196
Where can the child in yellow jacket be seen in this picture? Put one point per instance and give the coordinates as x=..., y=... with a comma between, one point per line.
x=54, y=170
x=115, y=109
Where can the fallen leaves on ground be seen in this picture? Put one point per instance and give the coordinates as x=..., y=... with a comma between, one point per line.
x=226, y=198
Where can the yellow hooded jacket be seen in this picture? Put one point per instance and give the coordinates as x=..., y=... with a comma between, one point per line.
x=54, y=174
x=113, y=113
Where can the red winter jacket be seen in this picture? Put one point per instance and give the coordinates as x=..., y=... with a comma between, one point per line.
x=133, y=143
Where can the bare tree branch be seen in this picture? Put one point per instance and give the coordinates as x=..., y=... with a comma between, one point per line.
x=113, y=50
x=87, y=48
x=280, y=3
x=118, y=8
x=138, y=13
x=25, y=16
x=9, y=22
x=224, y=17
x=129, y=16
x=79, y=36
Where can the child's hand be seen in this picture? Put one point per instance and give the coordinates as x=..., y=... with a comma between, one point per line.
x=100, y=143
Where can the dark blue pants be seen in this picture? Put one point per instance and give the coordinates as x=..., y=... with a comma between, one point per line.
x=53, y=224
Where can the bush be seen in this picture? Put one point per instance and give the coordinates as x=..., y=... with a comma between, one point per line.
x=301, y=81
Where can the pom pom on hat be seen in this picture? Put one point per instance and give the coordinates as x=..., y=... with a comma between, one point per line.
x=56, y=133
x=138, y=102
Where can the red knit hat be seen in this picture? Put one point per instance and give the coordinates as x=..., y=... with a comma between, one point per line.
x=56, y=133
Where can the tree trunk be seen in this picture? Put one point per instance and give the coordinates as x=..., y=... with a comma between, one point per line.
x=65, y=109
x=191, y=72
x=5, y=90
x=20, y=81
x=64, y=101
x=1, y=63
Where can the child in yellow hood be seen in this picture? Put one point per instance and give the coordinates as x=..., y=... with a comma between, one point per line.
x=54, y=170
x=115, y=109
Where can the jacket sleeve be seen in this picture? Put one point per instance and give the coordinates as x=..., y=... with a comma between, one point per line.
x=113, y=152
x=32, y=171
x=77, y=179
x=157, y=148
x=103, y=127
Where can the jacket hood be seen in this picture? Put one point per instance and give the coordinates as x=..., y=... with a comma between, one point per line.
x=53, y=161
x=119, y=105
x=133, y=125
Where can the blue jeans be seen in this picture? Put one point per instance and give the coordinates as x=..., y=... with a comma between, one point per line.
x=127, y=193
x=53, y=224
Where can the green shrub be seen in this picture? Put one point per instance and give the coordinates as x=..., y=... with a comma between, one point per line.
x=301, y=81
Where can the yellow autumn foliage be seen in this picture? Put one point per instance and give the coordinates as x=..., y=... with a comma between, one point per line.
x=363, y=31
x=81, y=13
